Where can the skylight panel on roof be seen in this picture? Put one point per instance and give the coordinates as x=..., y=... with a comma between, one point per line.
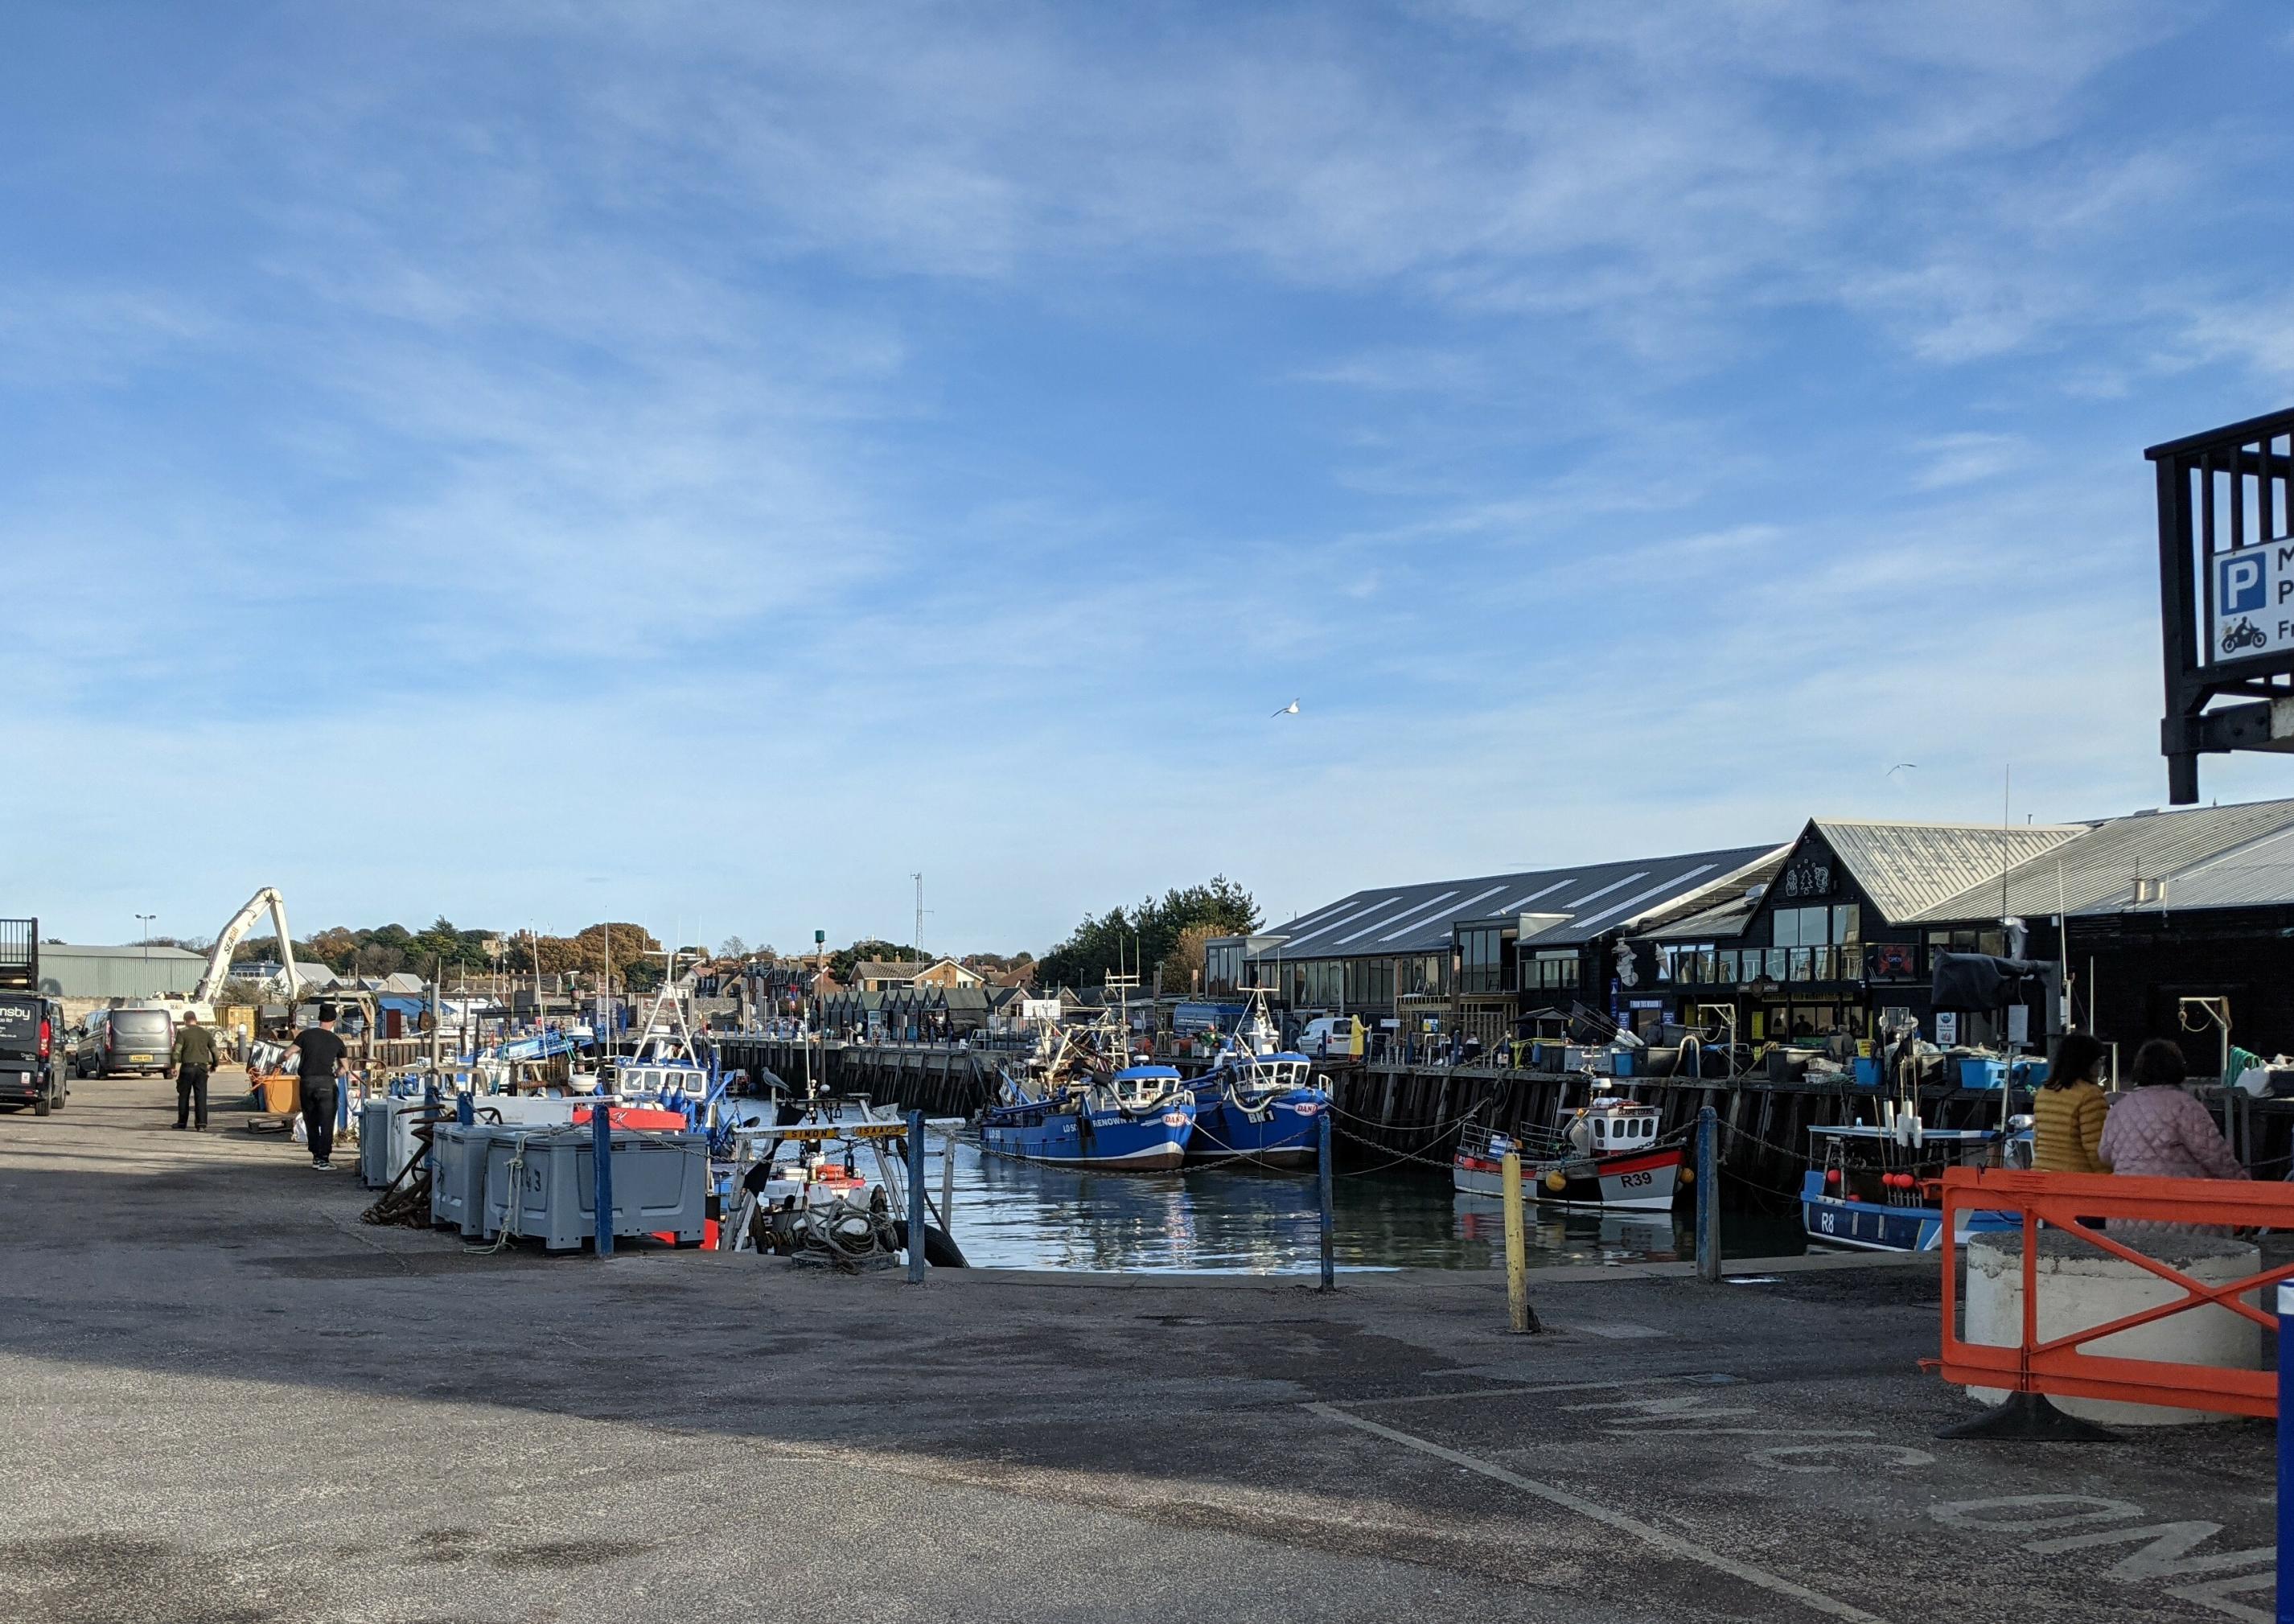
x=1335, y=923
x=1673, y=884
x=1445, y=914
x=1398, y=918
x=1519, y=903
x=1604, y=891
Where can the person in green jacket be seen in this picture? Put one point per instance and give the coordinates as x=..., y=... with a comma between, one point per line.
x=195, y=1058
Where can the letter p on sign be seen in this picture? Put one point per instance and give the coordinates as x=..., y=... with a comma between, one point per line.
x=2243, y=588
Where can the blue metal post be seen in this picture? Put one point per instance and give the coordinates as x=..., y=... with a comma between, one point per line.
x=916, y=1197
x=1708, y=1194
x=430, y=1121
x=601, y=1154
x=465, y=1110
x=2285, y=1455
x=1323, y=1175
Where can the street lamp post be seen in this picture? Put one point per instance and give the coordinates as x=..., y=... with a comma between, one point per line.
x=145, y=919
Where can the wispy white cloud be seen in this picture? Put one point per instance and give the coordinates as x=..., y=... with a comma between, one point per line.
x=1965, y=459
x=976, y=408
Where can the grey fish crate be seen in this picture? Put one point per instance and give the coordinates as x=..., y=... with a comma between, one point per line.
x=661, y=1184
x=374, y=1144
x=458, y=1177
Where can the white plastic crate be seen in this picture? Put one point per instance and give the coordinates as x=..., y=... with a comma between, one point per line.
x=661, y=1184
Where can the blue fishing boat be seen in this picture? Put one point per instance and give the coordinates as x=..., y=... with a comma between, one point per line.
x=1138, y=1119
x=1257, y=1103
x=1878, y=1187
x=1257, y=1108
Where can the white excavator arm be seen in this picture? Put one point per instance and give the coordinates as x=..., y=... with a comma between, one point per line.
x=218, y=971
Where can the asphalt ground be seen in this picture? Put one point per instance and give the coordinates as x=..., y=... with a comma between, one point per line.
x=229, y=1402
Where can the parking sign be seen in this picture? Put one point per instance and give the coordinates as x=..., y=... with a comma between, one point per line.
x=2254, y=601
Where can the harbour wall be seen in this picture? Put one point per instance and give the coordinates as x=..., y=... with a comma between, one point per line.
x=1402, y=1114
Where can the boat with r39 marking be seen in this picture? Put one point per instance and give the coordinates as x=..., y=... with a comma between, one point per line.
x=1604, y=1155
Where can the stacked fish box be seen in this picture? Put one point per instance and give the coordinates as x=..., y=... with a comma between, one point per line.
x=458, y=1177
x=374, y=1142
x=389, y=1135
x=542, y=1184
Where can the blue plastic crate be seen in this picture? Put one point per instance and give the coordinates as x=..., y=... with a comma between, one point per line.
x=1978, y=1073
x=1867, y=1071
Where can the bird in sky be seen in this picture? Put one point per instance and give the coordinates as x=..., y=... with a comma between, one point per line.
x=1289, y=710
x=1899, y=768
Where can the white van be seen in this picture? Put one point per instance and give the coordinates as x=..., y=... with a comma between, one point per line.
x=1333, y=1036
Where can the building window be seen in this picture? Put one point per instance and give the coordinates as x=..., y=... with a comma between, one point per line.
x=1552, y=971
x=1480, y=960
x=1808, y=927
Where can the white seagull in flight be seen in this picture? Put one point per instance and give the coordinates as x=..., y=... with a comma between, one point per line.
x=1289, y=710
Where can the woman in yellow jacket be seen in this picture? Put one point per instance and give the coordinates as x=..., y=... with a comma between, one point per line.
x=2069, y=1110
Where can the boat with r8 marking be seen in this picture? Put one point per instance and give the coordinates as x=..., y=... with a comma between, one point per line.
x=1605, y=1155
x=1879, y=1187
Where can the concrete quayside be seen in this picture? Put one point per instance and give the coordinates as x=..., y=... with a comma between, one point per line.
x=235, y=1400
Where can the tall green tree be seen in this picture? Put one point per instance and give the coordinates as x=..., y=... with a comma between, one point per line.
x=1138, y=938
x=872, y=949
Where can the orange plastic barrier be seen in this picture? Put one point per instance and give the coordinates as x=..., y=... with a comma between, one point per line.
x=2061, y=1366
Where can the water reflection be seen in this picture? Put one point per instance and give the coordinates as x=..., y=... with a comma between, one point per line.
x=1013, y=1215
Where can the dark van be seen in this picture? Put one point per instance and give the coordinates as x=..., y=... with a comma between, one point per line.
x=126, y=1040
x=31, y=1053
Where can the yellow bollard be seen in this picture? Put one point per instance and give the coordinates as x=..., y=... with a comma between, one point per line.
x=1523, y=1318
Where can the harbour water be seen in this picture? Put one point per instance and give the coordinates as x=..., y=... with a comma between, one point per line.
x=1013, y=1215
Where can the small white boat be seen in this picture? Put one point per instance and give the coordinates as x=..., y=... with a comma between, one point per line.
x=1604, y=1155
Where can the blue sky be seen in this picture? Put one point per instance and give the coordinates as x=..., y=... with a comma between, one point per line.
x=700, y=463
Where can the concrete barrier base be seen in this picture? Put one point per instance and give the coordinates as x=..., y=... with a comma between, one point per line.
x=2079, y=1286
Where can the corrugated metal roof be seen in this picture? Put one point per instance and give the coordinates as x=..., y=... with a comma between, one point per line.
x=2255, y=875
x=1713, y=924
x=2227, y=855
x=1597, y=897
x=1908, y=868
x=83, y=950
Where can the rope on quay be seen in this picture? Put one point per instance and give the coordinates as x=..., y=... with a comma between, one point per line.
x=1400, y=1158
x=401, y=1203
x=1436, y=1128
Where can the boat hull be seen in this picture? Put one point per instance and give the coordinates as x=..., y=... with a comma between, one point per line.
x=1867, y=1226
x=1285, y=1133
x=1637, y=1182
x=1151, y=1142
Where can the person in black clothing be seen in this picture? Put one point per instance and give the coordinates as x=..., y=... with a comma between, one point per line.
x=323, y=1057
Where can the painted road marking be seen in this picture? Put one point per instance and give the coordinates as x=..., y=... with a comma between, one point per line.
x=1775, y=1584
x=1504, y=1393
x=2165, y=1553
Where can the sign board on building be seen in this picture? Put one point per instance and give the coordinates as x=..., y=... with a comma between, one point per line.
x=1891, y=962
x=2254, y=600
x=1947, y=1028
x=1040, y=1009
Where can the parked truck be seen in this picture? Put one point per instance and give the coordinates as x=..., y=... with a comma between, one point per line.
x=31, y=1025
